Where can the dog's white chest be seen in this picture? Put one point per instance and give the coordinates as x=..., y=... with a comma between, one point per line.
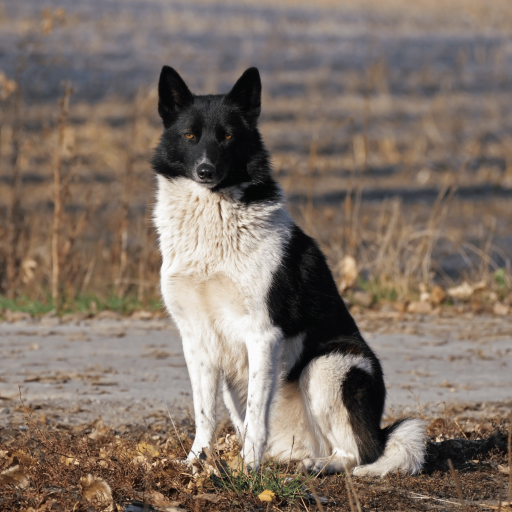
x=215, y=298
x=219, y=257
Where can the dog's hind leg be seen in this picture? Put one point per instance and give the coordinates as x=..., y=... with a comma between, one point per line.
x=344, y=401
x=290, y=433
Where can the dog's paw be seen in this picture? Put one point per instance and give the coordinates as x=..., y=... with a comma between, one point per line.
x=195, y=465
x=249, y=464
x=326, y=465
x=195, y=461
x=251, y=457
x=314, y=466
x=252, y=467
x=361, y=471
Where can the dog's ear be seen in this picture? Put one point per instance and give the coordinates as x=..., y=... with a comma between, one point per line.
x=246, y=94
x=173, y=94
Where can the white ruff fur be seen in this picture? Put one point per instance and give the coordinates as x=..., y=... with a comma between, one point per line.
x=219, y=258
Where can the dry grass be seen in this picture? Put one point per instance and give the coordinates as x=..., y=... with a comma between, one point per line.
x=93, y=467
x=347, y=161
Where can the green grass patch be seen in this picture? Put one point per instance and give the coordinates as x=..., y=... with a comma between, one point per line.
x=34, y=307
x=379, y=289
x=88, y=303
x=271, y=476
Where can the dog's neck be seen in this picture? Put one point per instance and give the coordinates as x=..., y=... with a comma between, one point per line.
x=204, y=230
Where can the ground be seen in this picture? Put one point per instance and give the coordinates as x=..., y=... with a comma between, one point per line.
x=110, y=397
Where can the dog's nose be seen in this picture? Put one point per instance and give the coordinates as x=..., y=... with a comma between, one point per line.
x=206, y=172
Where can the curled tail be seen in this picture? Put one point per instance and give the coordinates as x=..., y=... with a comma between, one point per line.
x=404, y=449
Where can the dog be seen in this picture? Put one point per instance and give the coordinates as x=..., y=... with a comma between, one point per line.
x=254, y=300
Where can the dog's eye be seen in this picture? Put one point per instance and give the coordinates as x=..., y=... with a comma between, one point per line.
x=189, y=135
x=228, y=136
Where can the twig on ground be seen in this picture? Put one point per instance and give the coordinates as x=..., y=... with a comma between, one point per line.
x=500, y=485
x=353, y=489
x=349, y=495
x=460, y=428
x=313, y=491
x=176, y=432
x=455, y=477
x=509, y=490
x=424, y=497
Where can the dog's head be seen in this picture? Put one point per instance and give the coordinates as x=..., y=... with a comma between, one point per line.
x=212, y=139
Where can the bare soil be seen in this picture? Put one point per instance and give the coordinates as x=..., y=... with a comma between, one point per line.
x=130, y=371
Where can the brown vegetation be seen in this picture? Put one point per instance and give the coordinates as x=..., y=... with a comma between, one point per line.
x=92, y=467
x=106, y=243
x=348, y=163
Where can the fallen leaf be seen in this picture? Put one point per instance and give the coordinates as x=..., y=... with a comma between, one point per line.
x=15, y=476
x=463, y=291
x=437, y=295
x=425, y=297
x=213, y=498
x=422, y=308
x=267, y=495
x=68, y=461
x=42, y=508
x=20, y=457
x=500, y=309
x=141, y=315
x=349, y=273
x=108, y=315
x=96, y=491
x=504, y=469
x=159, y=500
x=147, y=449
x=140, y=460
x=481, y=285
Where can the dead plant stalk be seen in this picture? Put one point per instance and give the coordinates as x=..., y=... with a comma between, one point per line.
x=125, y=201
x=57, y=188
x=14, y=217
x=458, y=487
x=353, y=489
x=509, y=490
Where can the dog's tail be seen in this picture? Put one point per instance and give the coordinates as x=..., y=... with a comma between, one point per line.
x=404, y=449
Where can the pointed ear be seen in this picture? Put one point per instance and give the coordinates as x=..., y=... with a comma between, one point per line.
x=246, y=94
x=173, y=94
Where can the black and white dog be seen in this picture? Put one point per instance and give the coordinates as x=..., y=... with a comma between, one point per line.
x=255, y=302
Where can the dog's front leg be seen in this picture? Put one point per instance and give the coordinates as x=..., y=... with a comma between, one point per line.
x=263, y=353
x=204, y=376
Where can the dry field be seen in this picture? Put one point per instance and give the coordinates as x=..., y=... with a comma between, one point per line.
x=390, y=129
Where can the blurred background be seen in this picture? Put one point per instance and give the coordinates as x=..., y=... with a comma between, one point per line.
x=389, y=124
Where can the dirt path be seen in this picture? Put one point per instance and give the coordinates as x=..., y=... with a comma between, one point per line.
x=130, y=371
